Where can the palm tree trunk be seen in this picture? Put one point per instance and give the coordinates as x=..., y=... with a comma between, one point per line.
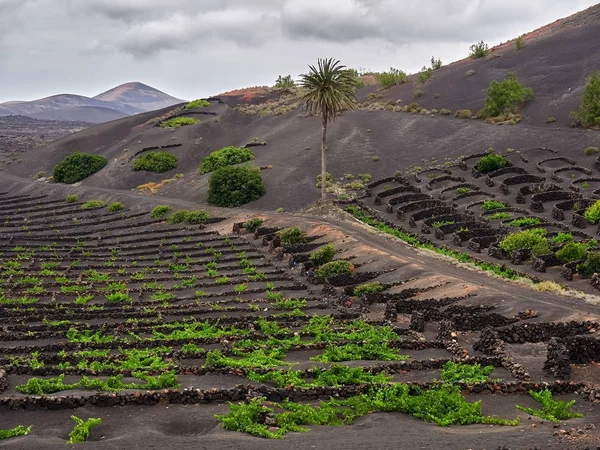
x=323, y=153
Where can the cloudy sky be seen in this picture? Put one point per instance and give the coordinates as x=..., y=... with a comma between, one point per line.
x=195, y=48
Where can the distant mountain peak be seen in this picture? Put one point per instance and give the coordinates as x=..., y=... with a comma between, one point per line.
x=138, y=96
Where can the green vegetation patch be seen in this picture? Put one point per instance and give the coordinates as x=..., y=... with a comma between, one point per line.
x=197, y=217
x=323, y=255
x=334, y=268
x=177, y=122
x=590, y=266
x=252, y=225
x=227, y=156
x=14, y=432
x=392, y=78
x=161, y=211
x=572, y=251
x=469, y=373
x=292, y=236
x=368, y=288
x=552, y=410
x=592, y=213
x=92, y=204
x=525, y=221
x=77, y=167
x=442, y=405
x=500, y=216
x=506, y=96
x=491, y=162
x=158, y=162
x=370, y=351
x=198, y=103
x=82, y=430
x=491, y=205
x=588, y=113
x=534, y=240
x=115, y=206
x=234, y=186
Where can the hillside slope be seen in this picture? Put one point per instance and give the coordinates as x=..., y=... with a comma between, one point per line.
x=137, y=97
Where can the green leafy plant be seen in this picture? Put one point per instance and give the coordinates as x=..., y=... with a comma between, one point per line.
x=591, y=151
x=227, y=156
x=490, y=205
x=368, y=288
x=562, y=238
x=441, y=223
x=82, y=430
x=161, y=211
x=334, y=376
x=590, y=266
x=552, y=410
x=469, y=373
x=369, y=351
x=592, y=213
x=197, y=217
x=479, y=50
x=158, y=162
x=78, y=166
x=491, y=162
x=71, y=198
x=463, y=190
x=198, y=103
x=252, y=224
x=292, y=236
x=392, y=77
x=14, y=432
x=290, y=303
x=92, y=204
x=115, y=206
x=177, y=122
x=588, y=113
x=534, y=239
x=500, y=216
x=572, y=251
x=234, y=186
x=525, y=221
x=334, y=268
x=506, y=96
x=284, y=82
x=519, y=43
x=323, y=255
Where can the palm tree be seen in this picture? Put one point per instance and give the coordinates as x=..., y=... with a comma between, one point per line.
x=330, y=90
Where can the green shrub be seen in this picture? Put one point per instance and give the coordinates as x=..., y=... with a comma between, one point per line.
x=478, y=50
x=82, y=429
x=284, y=82
x=392, y=78
x=115, y=206
x=199, y=103
x=235, y=186
x=227, y=156
x=463, y=190
x=445, y=112
x=177, y=122
x=78, y=166
x=14, y=432
x=589, y=109
x=562, y=238
x=334, y=268
x=592, y=213
x=535, y=240
x=525, y=221
x=197, y=217
x=463, y=114
x=491, y=162
x=572, y=251
x=552, y=410
x=591, y=150
x=161, y=211
x=253, y=224
x=328, y=179
x=550, y=119
x=158, y=162
x=500, y=216
x=292, y=236
x=425, y=74
x=72, y=198
x=469, y=373
x=506, y=96
x=490, y=205
x=519, y=43
x=92, y=204
x=323, y=255
x=590, y=266
x=368, y=288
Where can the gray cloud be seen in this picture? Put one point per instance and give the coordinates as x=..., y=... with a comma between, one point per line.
x=199, y=47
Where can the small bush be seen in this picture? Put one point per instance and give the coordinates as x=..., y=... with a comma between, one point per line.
x=323, y=255
x=490, y=205
x=550, y=119
x=392, y=78
x=590, y=266
x=592, y=213
x=328, y=178
x=78, y=166
x=115, y=206
x=479, y=50
x=552, y=410
x=491, y=162
x=355, y=186
x=161, y=211
x=572, y=251
x=82, y=430
x=253, y=224
x=500, y=216
x=72, y=198
x=519, y=43
x=227, y=156
x=199, y=103
x=235, y=186
x=418, y=93
x=284, y=82
x=445, y=112
x=591, y=150
x=464, y=114
x=525, y=221
x=192, y=217
x=506, y=96
x=292, y=236
x=158, y=162
x=334, y=268
x=562, y=238
x=535, y=240
x=588, y=113
x=463, y=190
x=92, y=204
x=177, y=122
x=14, y=432
x=368, y=288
